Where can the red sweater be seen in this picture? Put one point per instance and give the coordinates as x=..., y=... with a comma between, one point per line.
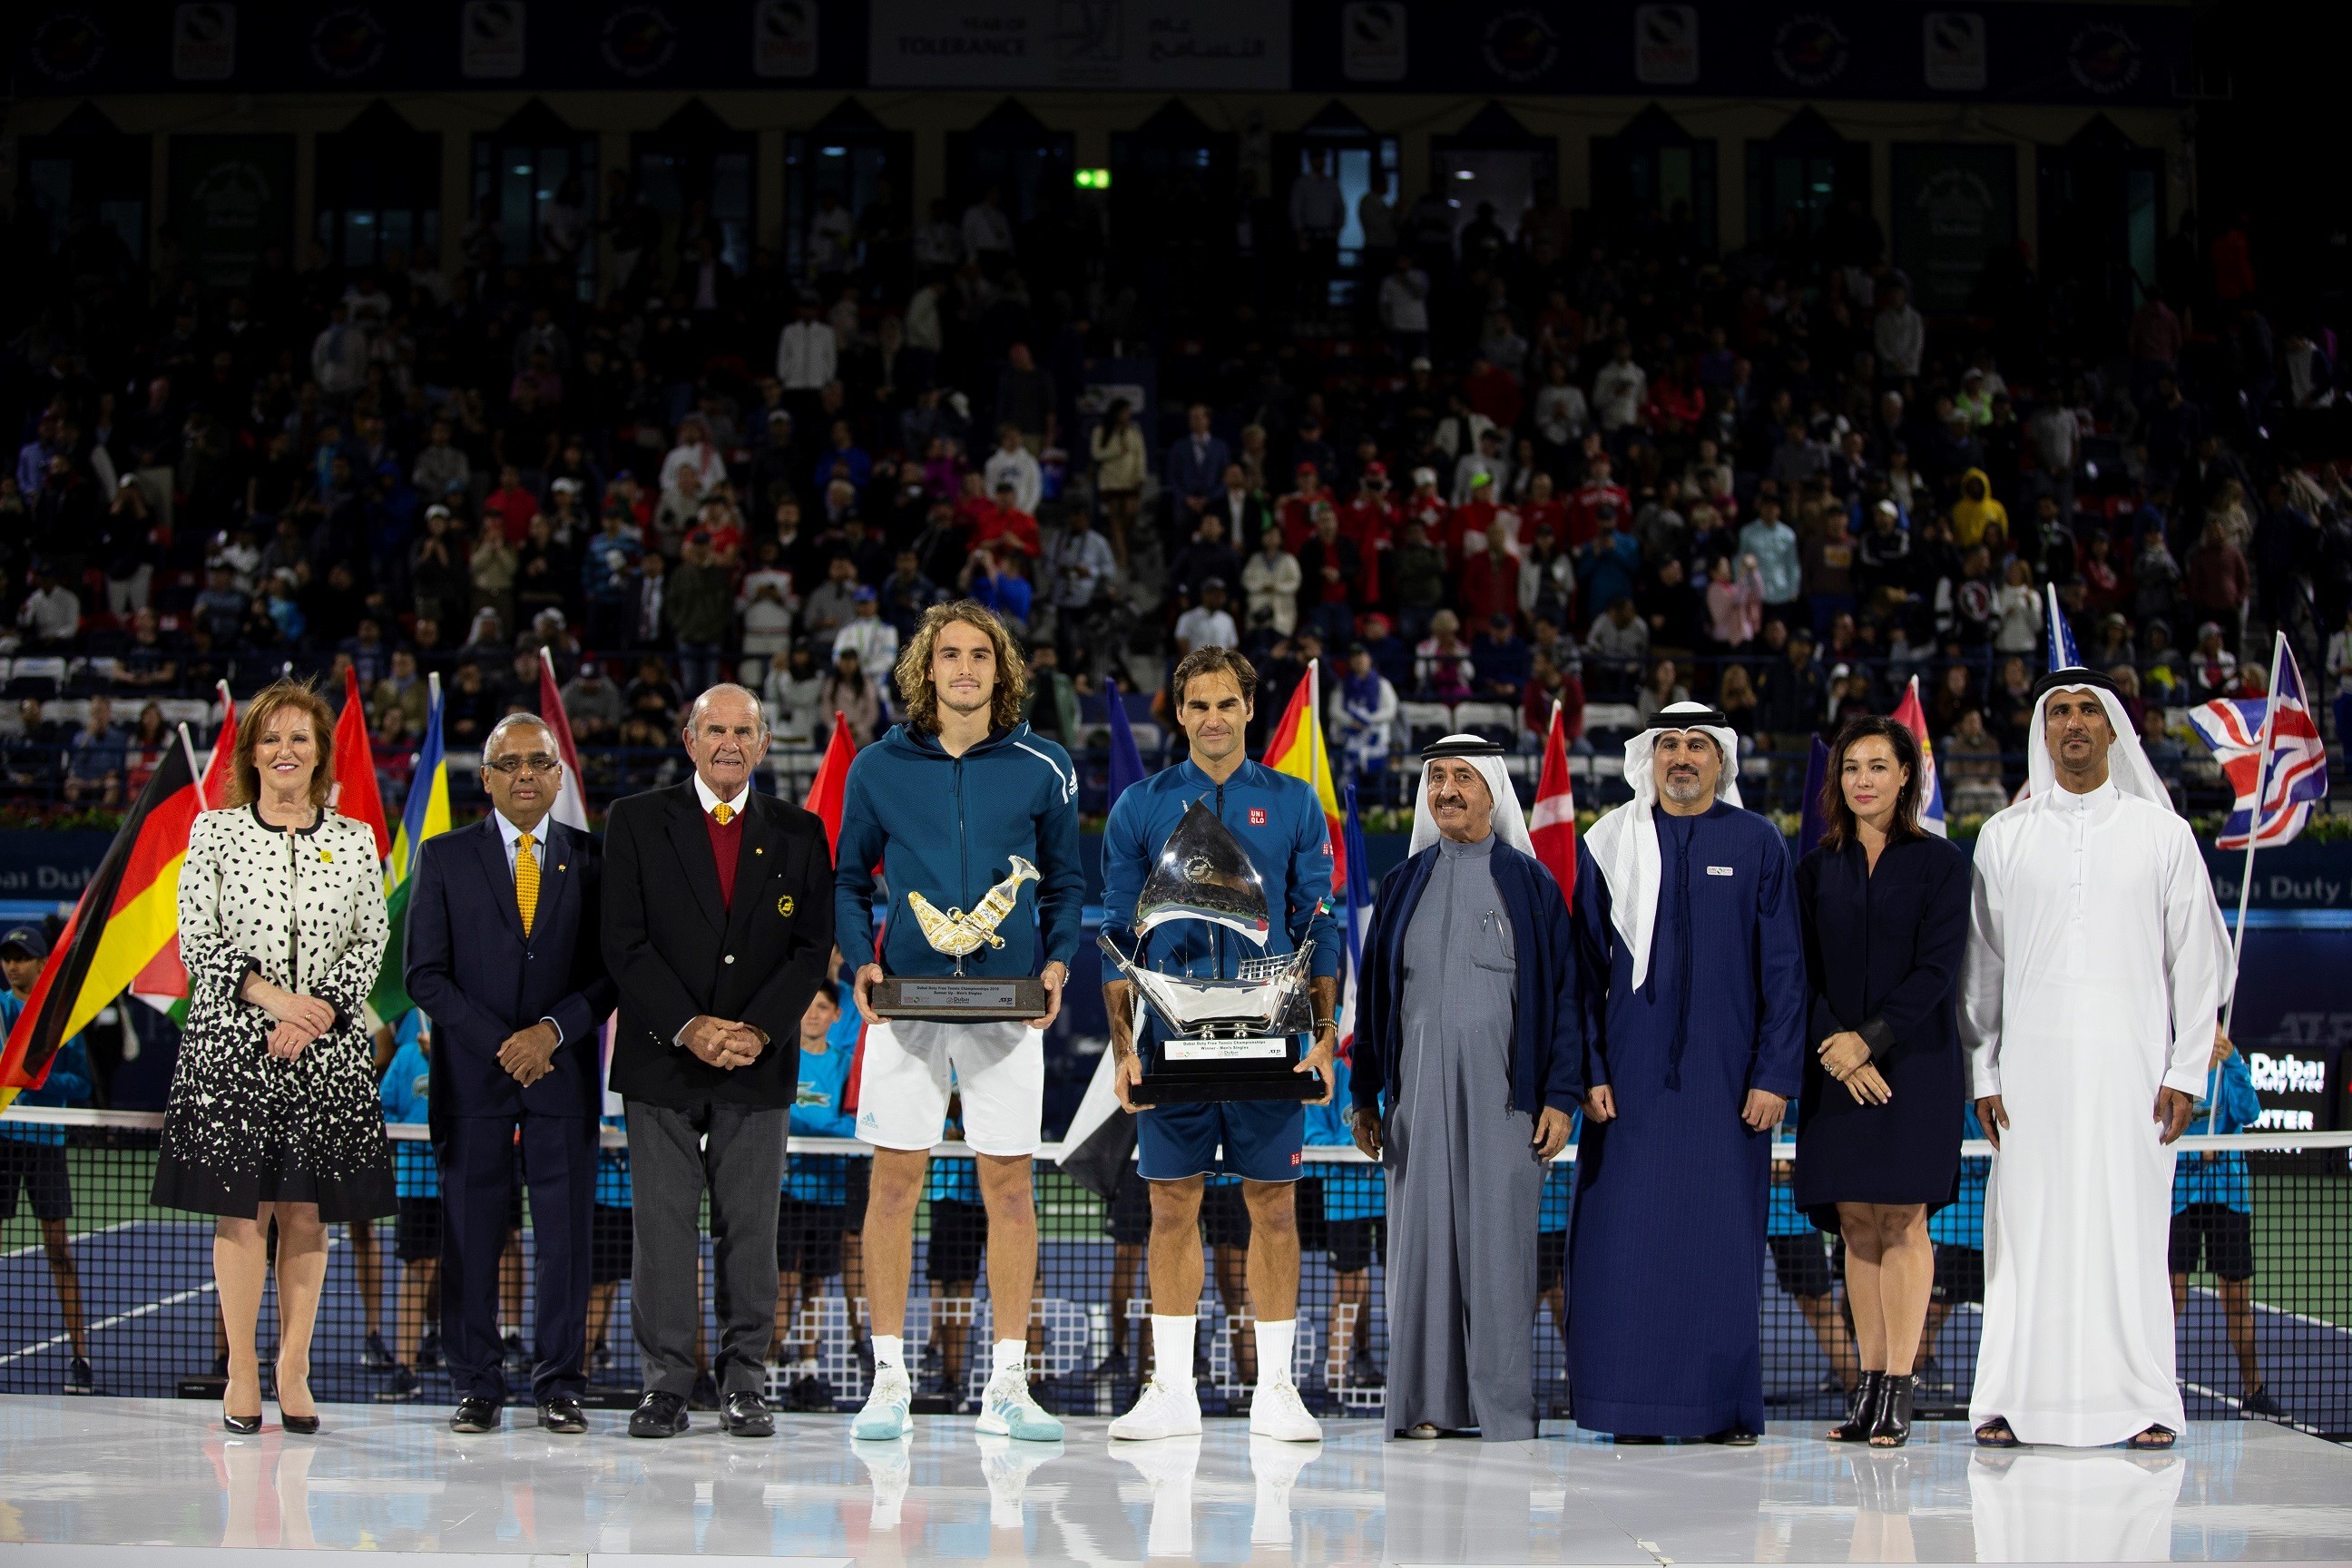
x=726, y=848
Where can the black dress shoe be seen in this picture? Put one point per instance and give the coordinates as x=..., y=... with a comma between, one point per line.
x=747, y=1417
x=1733, y=1437
x=660, y=1415
x=1890, y=1425
x=243, y=1426
x=562, y=1414
x=1861, y=1410
x=300, y=1425
x=476, y=1414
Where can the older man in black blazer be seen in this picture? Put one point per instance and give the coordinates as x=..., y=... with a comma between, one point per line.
x=719, y=927
x=503, y=956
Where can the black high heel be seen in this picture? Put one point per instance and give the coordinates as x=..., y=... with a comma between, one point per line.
x=1891, y=1427
x=243, y=1426
x=1861, y=1410
x=299, y=1426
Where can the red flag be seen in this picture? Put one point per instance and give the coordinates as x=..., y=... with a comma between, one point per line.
x=572, y=798
x=830, y=787
x=1551, y=827
x=355, y=792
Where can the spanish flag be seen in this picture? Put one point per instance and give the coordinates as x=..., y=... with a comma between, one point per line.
x=128, y=914
x=1296, y=748
x=426, y=813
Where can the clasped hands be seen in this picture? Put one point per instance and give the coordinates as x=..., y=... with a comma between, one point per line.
x=722, y=1043
x=1761, y=1110
x=1845, y=1056
x=296, y=1020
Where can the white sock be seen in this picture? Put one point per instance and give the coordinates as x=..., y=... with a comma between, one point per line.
x=1010, y=1356
x=1171, y=1348
x=805, y=1366
x=889, y=1350
x=1273, y=1351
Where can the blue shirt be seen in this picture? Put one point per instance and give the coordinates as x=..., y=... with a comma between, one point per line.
x=613, y=1189
x=1281, y=827
x=817, y=1114
x=404, y=1093
x=1777, y=568
x=1961, y=1223
x=949, y=828
x=1349, y=1191
x=68, y=1082
x=2232, y=1106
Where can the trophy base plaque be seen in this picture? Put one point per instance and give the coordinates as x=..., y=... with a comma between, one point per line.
x=960, y=998
x=1198, y=1070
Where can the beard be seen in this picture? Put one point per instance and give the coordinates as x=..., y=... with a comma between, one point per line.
x=1684, y=788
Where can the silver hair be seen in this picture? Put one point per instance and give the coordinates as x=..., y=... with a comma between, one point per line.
x=694, y=714
x=511, y=722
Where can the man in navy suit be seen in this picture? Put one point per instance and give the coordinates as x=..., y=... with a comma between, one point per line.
x=514, y=1046
x=1193, y=474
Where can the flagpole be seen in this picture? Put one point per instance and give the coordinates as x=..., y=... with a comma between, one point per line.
x=2253, y=832
x=188, y=748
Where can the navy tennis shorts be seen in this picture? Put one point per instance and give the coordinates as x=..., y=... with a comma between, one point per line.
x=1261, y=1140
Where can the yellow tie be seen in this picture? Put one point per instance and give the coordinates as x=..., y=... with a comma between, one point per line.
x=724, y=812
x=526, y=881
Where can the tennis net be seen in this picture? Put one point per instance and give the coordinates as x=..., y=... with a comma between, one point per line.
x=90, y=1270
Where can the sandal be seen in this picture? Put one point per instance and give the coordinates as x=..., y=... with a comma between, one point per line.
x=1423, y=1432
x=1996, y=1434
x=2154, y=1440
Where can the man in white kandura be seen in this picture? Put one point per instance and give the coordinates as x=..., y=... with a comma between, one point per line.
x=2096, y=963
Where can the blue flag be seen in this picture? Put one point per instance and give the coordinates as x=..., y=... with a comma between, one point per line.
x=1817, y=777
x=1126, y=762
x=2063, y=652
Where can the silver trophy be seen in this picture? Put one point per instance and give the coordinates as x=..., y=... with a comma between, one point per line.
x=1225, y=1039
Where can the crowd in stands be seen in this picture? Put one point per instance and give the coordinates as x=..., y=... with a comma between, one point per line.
x=1505, y=463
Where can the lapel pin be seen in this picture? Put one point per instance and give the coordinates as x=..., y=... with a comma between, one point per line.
x=784, y=905
x=563, y=865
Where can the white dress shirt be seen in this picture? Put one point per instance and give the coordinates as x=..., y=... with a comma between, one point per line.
x=512, y=837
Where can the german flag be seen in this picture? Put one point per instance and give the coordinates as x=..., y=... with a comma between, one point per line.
x=129, y=911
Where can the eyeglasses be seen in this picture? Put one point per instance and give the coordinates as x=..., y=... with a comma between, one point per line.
x=537, y=763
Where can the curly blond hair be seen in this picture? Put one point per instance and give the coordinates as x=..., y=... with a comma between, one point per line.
x=920, y=696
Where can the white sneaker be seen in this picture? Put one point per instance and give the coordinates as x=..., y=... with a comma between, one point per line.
x=884, y=1413
x=1005, y=1465
x=1163, y=1410
x=1278, y=1412
x=1274, y=1466
x=888, y=1465
x=1007, y=1409
x=1169, y=1468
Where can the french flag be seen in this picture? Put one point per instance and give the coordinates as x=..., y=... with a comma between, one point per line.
x=2289, y=774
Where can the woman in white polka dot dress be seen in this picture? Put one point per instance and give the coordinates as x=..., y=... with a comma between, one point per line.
x=273, y=1113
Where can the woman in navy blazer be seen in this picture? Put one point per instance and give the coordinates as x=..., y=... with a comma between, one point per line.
x=1884, y=907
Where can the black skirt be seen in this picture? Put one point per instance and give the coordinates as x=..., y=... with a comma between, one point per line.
x=190, y=1184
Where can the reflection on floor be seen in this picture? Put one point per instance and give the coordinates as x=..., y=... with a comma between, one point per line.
x=119, y=1472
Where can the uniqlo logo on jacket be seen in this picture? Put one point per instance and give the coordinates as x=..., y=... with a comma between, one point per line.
x=1257, y=817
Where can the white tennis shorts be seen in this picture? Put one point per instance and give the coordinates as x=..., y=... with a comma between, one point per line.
x=911, y=1067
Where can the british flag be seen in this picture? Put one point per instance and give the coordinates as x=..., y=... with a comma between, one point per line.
x=2296, y=777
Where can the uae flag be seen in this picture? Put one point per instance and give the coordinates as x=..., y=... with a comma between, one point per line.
x=129, y=911
x=356, y=792
x=1551, y=829
x=572, y=798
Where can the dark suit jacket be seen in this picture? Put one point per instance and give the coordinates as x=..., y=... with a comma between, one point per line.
x=1243, y=524
x=676, y=953
x=479, y=979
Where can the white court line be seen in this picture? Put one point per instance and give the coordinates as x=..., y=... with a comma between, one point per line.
x=175, y=1299
x=77, y=1236
x=105, y=1324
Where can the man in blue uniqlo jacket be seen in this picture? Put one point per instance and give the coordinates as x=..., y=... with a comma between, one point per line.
x=1280, y=824
x=945, y=804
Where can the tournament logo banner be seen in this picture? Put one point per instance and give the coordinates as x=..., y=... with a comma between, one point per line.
x=347, y=43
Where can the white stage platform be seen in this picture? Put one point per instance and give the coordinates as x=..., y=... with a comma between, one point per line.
x=157, y=1482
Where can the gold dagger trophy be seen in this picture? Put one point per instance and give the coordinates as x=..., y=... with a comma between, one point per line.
x=959, y=997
